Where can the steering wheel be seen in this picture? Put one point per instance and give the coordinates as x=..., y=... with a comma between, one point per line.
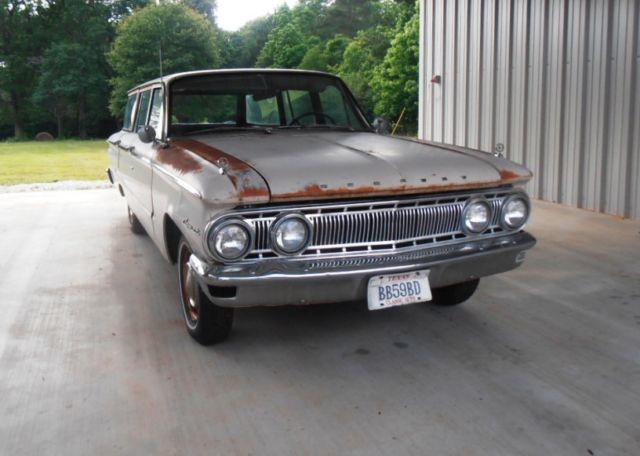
x=312, y=113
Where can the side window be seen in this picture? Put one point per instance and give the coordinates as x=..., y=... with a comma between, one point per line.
x=262, y=111
x=143, y=109
x=155, y=113
x=128, y=113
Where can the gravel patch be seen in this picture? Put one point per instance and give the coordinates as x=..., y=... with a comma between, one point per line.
x=54, y=186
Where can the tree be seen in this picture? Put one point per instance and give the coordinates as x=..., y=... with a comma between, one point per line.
x=395, y=81
x=206, y=8
x=187, y=41
x=286, y=45
x=350, y=16
x=324, y=56
x=18, y=59
x=71, y=78
x=241, y=48
x=359, y=61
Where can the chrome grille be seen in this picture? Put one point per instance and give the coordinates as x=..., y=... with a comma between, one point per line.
x=374, y=226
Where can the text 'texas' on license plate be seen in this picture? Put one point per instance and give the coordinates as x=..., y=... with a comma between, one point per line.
x=398, y=289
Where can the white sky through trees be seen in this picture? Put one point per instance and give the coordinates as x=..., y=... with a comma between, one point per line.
x=233, y=14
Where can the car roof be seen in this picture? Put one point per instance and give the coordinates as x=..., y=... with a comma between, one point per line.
x=175, y=76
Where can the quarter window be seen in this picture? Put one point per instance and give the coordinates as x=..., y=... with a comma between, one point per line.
x=128, y=113
x=156, y=110
x=143, y=109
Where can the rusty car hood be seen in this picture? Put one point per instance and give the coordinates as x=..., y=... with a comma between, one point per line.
x=309, y=165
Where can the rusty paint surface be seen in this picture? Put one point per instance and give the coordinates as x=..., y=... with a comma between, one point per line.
x=246, y=170
x=179, y=159
x=247, y=181
x=509, y=177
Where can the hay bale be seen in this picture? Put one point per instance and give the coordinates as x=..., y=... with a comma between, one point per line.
x=44, y=136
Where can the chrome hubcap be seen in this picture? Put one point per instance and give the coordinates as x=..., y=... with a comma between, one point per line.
x=189, y=289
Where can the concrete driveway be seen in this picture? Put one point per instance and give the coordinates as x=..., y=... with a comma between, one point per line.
x=544, y=360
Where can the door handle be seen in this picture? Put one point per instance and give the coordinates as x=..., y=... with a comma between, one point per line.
x=115, y=143
x=126, y=148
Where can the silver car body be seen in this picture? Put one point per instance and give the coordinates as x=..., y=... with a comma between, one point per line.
x=179, y=186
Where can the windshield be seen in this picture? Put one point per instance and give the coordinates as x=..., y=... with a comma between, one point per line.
x=223, y=102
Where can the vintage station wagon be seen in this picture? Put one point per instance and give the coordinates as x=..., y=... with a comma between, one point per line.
x=270, y=187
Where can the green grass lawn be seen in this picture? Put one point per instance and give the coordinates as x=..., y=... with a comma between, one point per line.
x=30, y=162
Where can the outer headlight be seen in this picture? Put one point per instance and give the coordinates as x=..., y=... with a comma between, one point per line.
x=291, y=234
x=476, y=216
x=515, y=212
x=230, y=240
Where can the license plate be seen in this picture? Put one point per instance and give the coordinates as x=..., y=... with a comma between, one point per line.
x=398, y=289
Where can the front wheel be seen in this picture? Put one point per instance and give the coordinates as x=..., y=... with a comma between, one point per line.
x=206, y=322
x=454, y=294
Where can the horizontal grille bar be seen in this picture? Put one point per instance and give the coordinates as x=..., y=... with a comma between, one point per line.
x=352, y=228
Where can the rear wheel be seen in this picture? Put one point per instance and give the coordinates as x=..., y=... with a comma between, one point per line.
x=134, y=223
x=454, y=294
x=206, y=322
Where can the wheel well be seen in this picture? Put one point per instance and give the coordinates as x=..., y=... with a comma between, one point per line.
x=172, y=237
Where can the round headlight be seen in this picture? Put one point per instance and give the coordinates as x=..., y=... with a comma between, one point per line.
x=515, y=212
x=476, y=216
x=230, y=240
x=291, y=234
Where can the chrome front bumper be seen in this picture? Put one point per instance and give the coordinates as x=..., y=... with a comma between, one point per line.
x=287, y=281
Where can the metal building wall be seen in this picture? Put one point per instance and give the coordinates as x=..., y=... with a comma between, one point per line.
x=557, y=82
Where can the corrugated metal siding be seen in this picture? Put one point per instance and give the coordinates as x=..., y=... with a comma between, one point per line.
x=556, y=81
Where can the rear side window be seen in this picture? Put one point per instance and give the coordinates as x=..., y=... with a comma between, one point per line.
x=143, y=109
x=128, y=113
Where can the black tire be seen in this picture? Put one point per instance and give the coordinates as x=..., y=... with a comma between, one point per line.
x=454, y=294
x=206, y=322
x=134, y=224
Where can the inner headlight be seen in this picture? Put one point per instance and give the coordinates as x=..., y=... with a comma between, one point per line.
x=230, y=240
x=515, y=212
x=291, y=234
x=476, y=216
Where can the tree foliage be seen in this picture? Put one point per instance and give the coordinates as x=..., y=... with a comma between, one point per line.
x=69, y=82
x=59, y=59
x=18, y=60
x=395, y=81
x=185, y=39
x=207, y=8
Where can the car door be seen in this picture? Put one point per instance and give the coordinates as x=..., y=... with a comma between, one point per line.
x=135, y=162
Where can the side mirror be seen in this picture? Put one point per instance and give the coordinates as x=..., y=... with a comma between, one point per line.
x=381, y=125
x=147, y=134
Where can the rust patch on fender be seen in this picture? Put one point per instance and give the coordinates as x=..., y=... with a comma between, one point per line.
x=247, y=181
x=509, y=177
x=179, y=159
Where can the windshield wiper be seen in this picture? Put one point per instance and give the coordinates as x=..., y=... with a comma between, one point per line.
x=227, y=128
